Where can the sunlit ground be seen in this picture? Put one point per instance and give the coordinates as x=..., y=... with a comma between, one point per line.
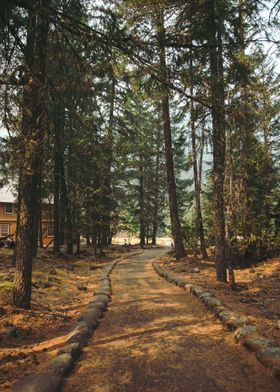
x=156, y=338
x=126, y=238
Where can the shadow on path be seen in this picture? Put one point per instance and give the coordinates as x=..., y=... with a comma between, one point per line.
x=156, y=338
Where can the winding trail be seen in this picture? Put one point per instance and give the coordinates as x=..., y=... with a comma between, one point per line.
x=156, y=338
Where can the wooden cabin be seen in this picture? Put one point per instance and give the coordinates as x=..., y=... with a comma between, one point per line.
x=8, y=215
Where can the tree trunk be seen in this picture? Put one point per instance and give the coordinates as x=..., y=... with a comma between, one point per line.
x=218, y=125
x=58, y=121
x=197, y=184
x=171, y=183
x=141, y=203
x=94, y=242
x=155, y=212
x=33, y=129
x=78, y=250
x=41, y=241
x=68, y=231
x=78, y=236
x=108, y=180
x=37, y=209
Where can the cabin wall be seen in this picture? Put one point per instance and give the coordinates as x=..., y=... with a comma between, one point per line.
x=8, y=221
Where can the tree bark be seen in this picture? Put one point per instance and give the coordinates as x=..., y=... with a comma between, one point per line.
x=78, y=235
x=218, y=136
x=197, y=184
x=37, y=209
x=33, y=130
x=155, y=212
x=141, y=202
x=41, y=242
x=58, y=122
x=171, y=183
x=107, y=228
x=68, y=228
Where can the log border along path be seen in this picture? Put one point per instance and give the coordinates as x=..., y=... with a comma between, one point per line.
x=154, y=338
x=266, y=350
x=51, y=377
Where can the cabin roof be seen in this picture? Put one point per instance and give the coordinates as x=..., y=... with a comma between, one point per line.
x=8, y=194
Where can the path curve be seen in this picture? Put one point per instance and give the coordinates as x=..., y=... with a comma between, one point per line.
x=156, y=338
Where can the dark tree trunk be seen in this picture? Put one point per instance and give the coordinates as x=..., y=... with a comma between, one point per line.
x=197, y=184
x=41, y=242
x=141, y=203
x=33, y=135
x=155, y=212
x=18, y=217
x=108, y=180
x=69, y=234
x=171, y=183
x=37, y=209
x=78, y=236
x=154, y=234
x=62, y=220
x=68, y=228
x=78, y=250
x=94, y=242
x=218, y=124
x=230, y=204
x=58, y=121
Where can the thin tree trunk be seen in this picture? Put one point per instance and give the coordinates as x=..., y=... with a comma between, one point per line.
x=141, y=203
x=94, y=241
x=57, y=123
x=78, y=250
x=197, y=184
x=33, y=135
x=41, y=242
x=66, y=203
x=155, y=212
x=107, y=228
x=218, y=124
x=202, y=141
x=78, y=236
x=230, y=181
x=18, y=217
x=171, y=183
x=37, y=209
x=230, y=208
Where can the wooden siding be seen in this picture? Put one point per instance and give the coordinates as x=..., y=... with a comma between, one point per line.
x=11, y=220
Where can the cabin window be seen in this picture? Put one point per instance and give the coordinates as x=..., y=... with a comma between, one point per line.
x=4, y=230
x=8, y=208
x=50, y=230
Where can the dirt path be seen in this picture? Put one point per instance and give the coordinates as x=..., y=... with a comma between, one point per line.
x=156, y=338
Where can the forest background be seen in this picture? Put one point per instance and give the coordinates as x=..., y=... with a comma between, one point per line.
x=106, y=105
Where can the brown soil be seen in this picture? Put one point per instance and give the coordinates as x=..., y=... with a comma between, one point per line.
x=157, y=338
x=257, y=295
x=29, y=337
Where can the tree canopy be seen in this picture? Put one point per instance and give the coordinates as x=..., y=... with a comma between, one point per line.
x=147, y=116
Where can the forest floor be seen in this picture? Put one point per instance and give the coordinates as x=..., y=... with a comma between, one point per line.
x=258, y=289
x=152, y=332
x=156, y=337
x=61, y=288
